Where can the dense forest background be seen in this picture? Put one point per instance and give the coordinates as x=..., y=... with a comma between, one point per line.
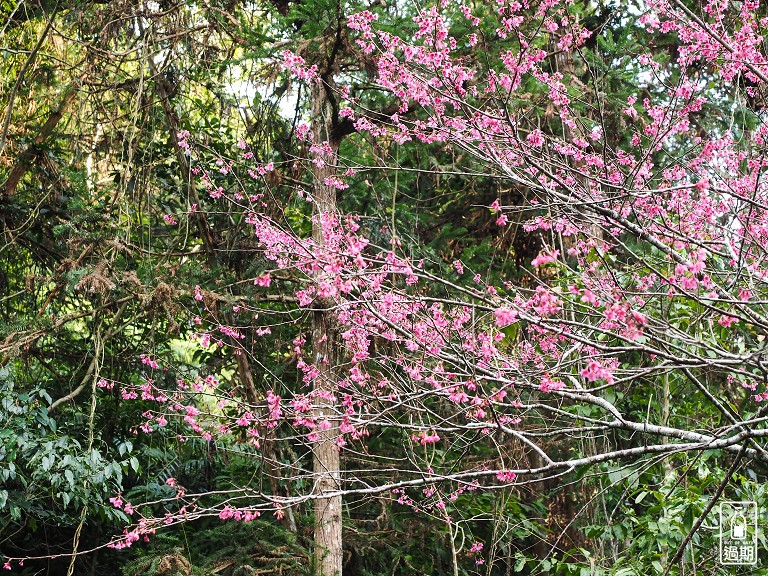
x=112, y=252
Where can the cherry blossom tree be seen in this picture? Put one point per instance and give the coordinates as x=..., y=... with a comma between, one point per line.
x=650, y=284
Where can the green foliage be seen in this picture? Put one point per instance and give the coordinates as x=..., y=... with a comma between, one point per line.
x=230, y=549
x=46, y=477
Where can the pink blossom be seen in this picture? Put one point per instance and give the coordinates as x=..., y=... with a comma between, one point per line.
x=504, y=316
x=596, y=371
x=227, y=513
x=548, y=384
x=542, y=259
x=506, y=476
x=535, y=138
x=425, y=438
x=104, y=384
x=588, y=297
x=335, y=182
x=727, y=321
x=264, y=280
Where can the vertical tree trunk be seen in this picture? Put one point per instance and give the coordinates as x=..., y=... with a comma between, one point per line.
x=328, y=543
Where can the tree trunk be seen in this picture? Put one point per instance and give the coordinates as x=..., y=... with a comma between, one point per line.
x=26, y=159
x=328, y=543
